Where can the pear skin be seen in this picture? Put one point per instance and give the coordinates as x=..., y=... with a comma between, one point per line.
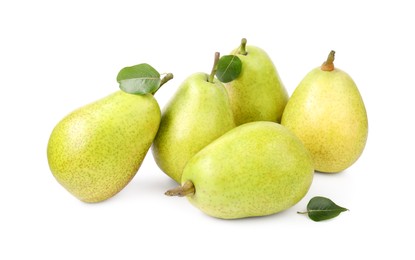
x=326, y=111
x=198, y=113
x=256, y=169
x=258, y=94
x=97, y=149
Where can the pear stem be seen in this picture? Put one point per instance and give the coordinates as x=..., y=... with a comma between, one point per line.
x=186, y=189
x=166, y=78
x=215, y=67
x=163, y=81
x=328, y=64
x=242, y=48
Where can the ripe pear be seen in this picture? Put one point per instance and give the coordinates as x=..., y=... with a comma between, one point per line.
x=97, y=149
x=326, y=111
x=198, y=113
x=256, y=169
x=258, y=93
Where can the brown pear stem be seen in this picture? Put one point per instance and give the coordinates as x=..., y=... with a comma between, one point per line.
x=215, y=67
x=186, y=189
x=242, y=48
x=328, y=64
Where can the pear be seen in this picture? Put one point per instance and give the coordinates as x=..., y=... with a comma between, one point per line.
x=256, y=169
x=97, y=149
x=258, y=93
x=198, y=113
x=326, y=111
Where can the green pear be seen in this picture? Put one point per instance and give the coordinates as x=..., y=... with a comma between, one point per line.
x=258, y=93
x=198, y=113
x=97, y=149
x=326, y=111
x=256, y=169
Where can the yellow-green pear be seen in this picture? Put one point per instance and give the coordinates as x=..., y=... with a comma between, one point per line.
x=258, y=93
x=326, y=111
x=256, y=169
x=97, y=149
x=198, y=113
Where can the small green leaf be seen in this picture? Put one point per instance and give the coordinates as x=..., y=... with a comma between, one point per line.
x=139, y=79
x=321, y=208
x=229, y=68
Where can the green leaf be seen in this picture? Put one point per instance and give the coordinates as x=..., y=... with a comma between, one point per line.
x=139, y=79
x=229, y=68
x=321, y=208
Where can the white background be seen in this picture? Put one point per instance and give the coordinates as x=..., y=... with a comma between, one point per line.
x=56, y=56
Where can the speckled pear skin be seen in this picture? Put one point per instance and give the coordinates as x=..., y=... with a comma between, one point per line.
x=326, y=111
x=258, y=94
x=97, y=149
x=256, y=169
x=198, y=113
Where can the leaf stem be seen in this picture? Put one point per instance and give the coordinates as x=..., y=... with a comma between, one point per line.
x=300, y=212
x=215, y=67
x=163, y=81
x=328, y=64
x=242, y=48
x=186, y=189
